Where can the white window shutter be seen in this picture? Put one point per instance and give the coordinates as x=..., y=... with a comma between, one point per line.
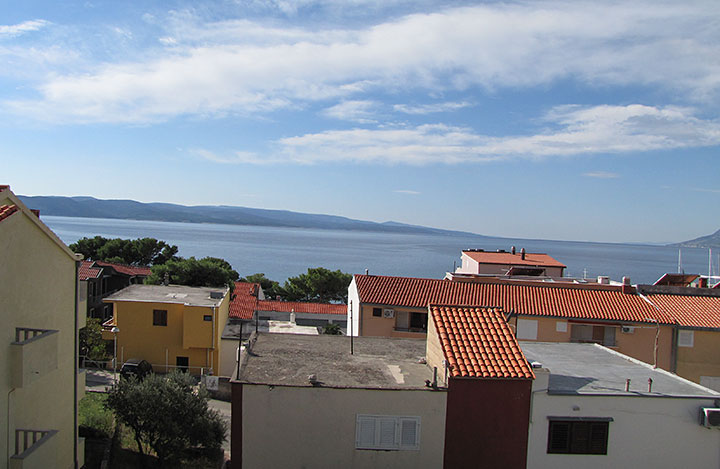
x=365, y=432
x=387, y=433
x=408, y=432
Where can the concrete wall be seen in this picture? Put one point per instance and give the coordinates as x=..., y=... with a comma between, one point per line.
x=37, y=288
x=487, y=423
x=702, y=360
x=434, y=353
x=161, y=345
x=293, y=427
x=385, y=327
x=639, y=344
x=653, y=432
x=228, y=356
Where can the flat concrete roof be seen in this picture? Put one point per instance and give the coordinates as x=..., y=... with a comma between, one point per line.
x=178, y=294
x=591, y=369
x=377, y=362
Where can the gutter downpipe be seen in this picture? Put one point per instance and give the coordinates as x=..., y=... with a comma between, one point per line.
x=75, y=367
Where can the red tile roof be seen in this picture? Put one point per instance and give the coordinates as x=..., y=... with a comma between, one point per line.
x=568, y=301
x=7, y=210
x=690, y=311
x=478, y=343
x=301, y=307
x=243, y=302
x=131, y=270
x=507, y=258
x=86, y=271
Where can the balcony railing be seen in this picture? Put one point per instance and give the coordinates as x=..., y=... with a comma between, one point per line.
x=32, y=354
x=34, y=448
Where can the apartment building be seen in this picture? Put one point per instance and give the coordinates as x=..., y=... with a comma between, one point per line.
x=40, y=384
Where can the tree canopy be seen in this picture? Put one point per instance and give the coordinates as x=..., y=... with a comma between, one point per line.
x=166, y=414
x=271, y=288
x=141, y=251
x=92, y=345
x=318, y=284
x=205, y=272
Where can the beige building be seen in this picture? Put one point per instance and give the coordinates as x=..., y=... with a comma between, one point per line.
x=39, y=380
x=513, y=263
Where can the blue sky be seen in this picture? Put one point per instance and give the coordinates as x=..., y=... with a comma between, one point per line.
x=549, y=119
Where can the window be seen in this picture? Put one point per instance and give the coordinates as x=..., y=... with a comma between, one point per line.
x=686, y=338
x=418, y=322
x=159, y=317
x=527, y=329
x=377, y=312
x=584, y=436
x=207, y=317
x=387, y=432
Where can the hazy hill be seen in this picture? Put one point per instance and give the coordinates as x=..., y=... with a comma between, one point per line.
x=709, y=241
x=90, y=207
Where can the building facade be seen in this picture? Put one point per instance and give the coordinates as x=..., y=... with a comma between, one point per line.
x=40, y=384
x=170, y=326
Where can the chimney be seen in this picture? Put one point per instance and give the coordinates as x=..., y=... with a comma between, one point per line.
x=626, y=287
x=702, y=282
x=522, y=253
x=292, y=316
x=367, y=271
x=512, y=250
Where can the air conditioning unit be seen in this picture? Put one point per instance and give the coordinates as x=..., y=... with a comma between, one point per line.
x=628, y=329
x=388, y=313
x=710, y=417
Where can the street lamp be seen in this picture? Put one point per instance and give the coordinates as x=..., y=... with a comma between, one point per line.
x=115, y=331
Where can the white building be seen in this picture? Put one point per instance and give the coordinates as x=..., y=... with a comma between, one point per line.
x=593, y=407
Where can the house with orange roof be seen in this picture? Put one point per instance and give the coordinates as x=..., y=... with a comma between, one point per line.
x=615, y=316
x=303, y=313
x=105, y=278
x=41, y=309
x=512, y=263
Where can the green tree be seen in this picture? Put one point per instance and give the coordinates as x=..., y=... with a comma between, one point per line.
x=270, y=288
x=141, y=251
x=167, y=414
x=92, y=344
x=318, y=284
x=205, y=272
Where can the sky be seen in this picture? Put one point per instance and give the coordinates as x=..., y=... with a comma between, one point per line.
x=570, y=120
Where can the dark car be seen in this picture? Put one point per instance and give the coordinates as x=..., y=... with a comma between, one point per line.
x=135, y=367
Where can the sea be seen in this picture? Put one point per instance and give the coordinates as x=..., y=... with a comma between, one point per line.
x=280, y=252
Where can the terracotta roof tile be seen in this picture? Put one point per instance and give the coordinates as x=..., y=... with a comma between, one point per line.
x=7, y=210
x=690, y=311
x=478, y=343
x=131, y=270
x=572, y=302
x=507, y=258
x=243, y=302
x=86, y=271
x=302, y=307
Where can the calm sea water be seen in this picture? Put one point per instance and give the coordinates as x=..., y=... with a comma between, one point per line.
x=286, y=252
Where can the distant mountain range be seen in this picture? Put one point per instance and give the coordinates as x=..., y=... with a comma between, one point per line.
x=709, y=241
x=90, y=207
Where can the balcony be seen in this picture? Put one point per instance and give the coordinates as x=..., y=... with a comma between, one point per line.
x=34, y=449
x=33, y=354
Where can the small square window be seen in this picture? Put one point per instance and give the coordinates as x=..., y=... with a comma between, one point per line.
x=159, y=317
x=207, y=317
x=377, y=312
x=686, y=338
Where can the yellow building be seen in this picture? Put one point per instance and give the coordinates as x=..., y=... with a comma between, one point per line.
x=170, y=326
x=39, y=380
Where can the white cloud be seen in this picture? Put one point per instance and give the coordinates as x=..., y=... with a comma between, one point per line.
x=431, y=108
x=601, y=175
x=238, y=157
x=22, y=28
x=245, y=67
x=406, y=191
x=712, y=191
x=362, y=112
x=572, y=130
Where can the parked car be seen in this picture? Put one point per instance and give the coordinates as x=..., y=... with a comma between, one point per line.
x=135, y=367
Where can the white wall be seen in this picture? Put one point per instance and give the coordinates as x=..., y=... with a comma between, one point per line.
x=646, y=432
x=228, y=356
x=293, y=427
